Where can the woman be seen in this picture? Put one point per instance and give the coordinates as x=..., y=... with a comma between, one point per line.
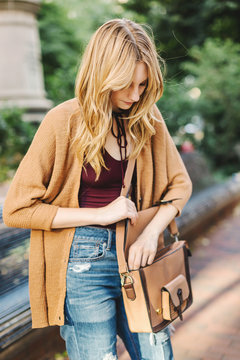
x=67, y=189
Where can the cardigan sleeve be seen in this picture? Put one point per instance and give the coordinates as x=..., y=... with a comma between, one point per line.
x=179, y=187
x=24, y=206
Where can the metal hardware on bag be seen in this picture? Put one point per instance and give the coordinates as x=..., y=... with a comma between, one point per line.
x=126, y=276
x=179, y=293
x=175, y=236
x=159, y=311
x=179, y=308
x=128, y=286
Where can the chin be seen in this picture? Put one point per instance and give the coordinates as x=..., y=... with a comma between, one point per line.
x=122, y=107
x=125, y=106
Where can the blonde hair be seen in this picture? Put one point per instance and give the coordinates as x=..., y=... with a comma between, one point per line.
x=108, y=65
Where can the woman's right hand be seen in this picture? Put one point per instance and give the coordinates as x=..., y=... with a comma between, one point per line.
x=119, y=209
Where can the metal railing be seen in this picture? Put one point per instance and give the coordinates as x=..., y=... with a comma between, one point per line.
x=15, y=316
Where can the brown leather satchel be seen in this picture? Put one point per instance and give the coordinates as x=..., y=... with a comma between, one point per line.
x=156, y=294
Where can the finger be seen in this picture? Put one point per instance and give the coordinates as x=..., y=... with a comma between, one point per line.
x=145, y=257
x=151, y=258
x=134, y=258
x=131, y=257
x=137, y=260
x=133, y=218
x=132, y=213
x=134, y=208
x=132, y=205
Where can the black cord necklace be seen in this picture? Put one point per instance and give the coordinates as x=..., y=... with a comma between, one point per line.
x=121, y=139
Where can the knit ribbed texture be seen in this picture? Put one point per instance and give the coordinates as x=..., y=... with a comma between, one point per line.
x=49, y=177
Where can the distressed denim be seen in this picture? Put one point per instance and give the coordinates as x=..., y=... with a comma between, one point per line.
x=94, y=310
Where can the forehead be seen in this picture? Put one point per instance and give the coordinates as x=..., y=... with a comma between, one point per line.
x=140, y=73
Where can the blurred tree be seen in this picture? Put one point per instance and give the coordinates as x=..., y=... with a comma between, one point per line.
x=177, y=109
x=222, y=18
x=89, y=15
x=15, y=138
x=61, y=51
x=216, y=69
x=179, y=24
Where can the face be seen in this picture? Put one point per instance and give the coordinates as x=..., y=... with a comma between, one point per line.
x=124, y=99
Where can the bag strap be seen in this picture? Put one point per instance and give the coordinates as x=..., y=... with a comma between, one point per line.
x=120, y=226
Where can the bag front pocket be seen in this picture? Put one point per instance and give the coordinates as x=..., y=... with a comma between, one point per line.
x=174, y=298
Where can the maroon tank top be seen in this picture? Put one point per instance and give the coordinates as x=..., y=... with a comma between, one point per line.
x=95, y=194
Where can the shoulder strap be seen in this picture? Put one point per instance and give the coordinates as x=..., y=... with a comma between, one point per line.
x=120, y=227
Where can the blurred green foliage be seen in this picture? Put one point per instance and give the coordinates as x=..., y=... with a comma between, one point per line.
x=216, y=70
x=178, y=25
x=15, y=138
x=214, y=112
x=199, y=41
x=61, y=50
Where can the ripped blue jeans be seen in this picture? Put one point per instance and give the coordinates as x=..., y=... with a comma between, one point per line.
x=94, y=310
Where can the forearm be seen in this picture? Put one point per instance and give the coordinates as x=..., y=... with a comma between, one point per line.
x=72, y=217
x=162, y=219
x=119, y=209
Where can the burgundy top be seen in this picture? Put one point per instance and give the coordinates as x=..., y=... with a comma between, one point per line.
x=94, y=194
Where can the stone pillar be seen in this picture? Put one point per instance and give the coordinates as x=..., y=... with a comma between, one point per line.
x=21, y=73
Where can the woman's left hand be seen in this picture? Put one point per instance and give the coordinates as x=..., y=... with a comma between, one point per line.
x=142, y=252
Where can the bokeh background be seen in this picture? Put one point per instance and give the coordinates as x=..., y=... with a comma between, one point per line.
x=199, y=41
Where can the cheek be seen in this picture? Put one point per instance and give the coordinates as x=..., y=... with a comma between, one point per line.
x=113, y=98
x=142, y=91
x=117, y=95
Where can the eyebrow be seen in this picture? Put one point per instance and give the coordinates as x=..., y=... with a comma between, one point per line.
x=143, y=82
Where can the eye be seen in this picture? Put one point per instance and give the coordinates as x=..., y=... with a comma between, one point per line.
x=143, y=84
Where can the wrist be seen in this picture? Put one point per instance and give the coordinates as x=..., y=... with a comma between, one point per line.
x=99, y=216
x=152, y=231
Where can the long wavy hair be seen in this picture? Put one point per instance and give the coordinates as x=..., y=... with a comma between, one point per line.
x=108, y=65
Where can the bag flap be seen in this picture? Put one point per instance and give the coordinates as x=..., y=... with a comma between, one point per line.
x=173, y=287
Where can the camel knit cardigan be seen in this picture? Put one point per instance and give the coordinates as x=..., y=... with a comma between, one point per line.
x=48, y=177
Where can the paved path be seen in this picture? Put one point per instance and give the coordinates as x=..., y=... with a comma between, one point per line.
x=211, y=327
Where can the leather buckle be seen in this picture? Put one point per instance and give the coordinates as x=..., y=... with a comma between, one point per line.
x=125, y=276
x=175, y=236
x=128, y=286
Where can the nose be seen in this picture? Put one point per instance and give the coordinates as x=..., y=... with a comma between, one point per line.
x=134, y=94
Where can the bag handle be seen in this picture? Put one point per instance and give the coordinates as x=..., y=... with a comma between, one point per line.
x=120, y=226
